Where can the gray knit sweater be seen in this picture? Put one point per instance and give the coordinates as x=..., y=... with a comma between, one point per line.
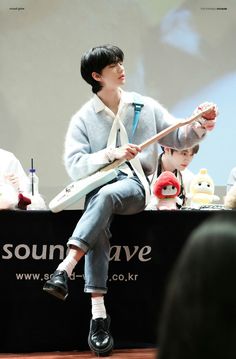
x=89, y=128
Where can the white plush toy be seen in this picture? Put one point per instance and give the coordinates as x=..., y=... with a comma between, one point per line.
x=202, y=190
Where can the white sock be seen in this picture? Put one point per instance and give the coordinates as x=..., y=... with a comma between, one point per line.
x=98, y=308
x=68, y=265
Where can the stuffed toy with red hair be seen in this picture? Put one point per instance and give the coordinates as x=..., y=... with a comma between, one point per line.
x=166, y=190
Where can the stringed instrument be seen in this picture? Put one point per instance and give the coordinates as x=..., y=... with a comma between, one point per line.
x=78, y=189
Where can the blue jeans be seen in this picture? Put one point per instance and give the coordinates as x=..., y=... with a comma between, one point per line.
x=124, y=195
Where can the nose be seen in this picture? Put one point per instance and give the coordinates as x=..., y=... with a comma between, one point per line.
x=188, y=157
x=120, y=67
x=186, y=161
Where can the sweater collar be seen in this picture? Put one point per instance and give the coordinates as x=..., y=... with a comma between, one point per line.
x=126, y=98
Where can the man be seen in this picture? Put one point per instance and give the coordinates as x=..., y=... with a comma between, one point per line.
x=176, y=161
x=231, y=179
x=97, y=135
x=11, y=171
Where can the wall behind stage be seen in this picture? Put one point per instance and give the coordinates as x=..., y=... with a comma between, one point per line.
x=179, y=52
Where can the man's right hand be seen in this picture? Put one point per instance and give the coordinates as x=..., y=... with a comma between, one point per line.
x=126, y=152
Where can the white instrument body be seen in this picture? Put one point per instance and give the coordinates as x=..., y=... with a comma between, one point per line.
x=78, y=189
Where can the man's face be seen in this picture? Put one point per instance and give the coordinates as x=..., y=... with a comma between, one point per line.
x=112, y=76
x=180, y=159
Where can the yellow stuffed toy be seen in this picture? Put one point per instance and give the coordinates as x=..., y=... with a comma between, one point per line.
x=202, y=190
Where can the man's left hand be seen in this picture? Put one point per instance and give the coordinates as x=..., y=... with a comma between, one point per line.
x=208, y=120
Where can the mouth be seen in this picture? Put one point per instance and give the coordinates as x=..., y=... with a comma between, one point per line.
x=122, y=77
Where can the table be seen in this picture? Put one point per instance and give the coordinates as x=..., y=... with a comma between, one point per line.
x=144, y=248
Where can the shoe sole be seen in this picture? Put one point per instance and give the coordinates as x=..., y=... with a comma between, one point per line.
x=101, y=352
x=55, y=291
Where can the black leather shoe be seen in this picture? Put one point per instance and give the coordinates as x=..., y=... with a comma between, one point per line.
x=57, y=285
x=100, y=340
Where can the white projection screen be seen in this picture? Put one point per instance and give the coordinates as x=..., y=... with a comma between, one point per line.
x=180, y=52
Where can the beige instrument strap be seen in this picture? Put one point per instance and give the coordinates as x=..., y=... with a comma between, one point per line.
x=135, y=163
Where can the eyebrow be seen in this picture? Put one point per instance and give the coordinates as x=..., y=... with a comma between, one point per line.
x=187, y=151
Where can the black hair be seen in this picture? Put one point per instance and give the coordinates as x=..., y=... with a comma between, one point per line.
x=96, y=59
x=199, y=316
x=194, y=149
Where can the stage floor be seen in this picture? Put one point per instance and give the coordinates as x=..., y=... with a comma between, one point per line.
x=117, y=354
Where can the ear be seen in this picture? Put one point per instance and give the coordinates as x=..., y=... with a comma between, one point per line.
x=167, y=150
x=96, y=76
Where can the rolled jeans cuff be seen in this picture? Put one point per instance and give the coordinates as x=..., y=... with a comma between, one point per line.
x=90, y=289
x=78, y=243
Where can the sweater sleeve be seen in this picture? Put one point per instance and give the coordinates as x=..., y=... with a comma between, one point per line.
x=183, y=137
x=79, y=160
